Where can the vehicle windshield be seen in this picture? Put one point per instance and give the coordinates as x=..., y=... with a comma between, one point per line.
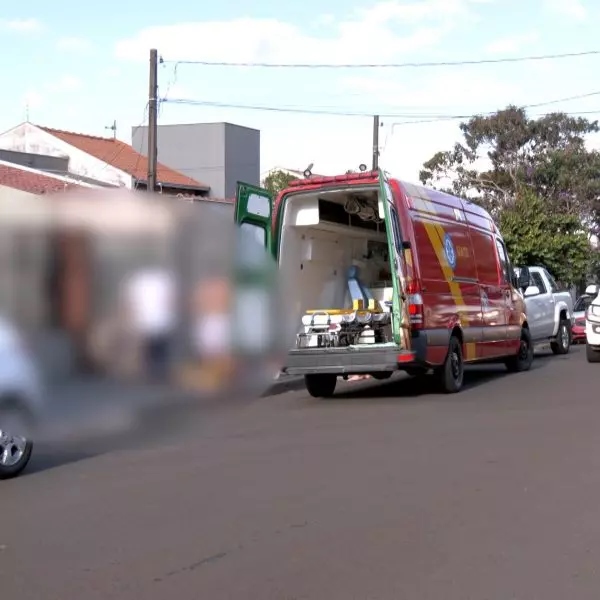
x=582, y=303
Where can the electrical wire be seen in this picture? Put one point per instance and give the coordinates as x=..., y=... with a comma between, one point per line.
x=457, y=63
x=346, y=113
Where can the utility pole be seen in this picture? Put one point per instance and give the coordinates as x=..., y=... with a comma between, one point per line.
x=375, y=142
x=152, y=121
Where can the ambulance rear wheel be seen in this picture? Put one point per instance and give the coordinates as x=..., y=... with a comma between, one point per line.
x=320, y=386
x=522, y=361
x=451, y=374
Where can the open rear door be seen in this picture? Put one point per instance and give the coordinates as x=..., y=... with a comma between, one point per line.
x=400, y=317
x=256, y=306
x=253, y=212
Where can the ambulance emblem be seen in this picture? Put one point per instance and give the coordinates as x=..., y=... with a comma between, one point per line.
x=449, y=251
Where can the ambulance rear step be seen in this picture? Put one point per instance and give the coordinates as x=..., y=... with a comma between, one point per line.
x=342, y=361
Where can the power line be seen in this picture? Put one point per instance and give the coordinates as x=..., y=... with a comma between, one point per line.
x=457, y=118
x=345, y=113
x=403, y=65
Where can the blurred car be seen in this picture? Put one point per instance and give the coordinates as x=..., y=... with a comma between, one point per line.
x=579, y=309
x=20, y=401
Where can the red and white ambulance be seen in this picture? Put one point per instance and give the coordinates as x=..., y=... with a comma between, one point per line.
x=382, y=275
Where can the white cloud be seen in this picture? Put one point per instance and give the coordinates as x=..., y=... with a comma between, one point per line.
x=111, y=72
x=66, y=83
x=32, y=99
x=513, y=44
x=380, y=32
x=176, y=91
x=21, y=25
x=447, y=93
x=573, y=9
x=73, y=44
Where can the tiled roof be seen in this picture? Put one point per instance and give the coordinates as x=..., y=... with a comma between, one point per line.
x=123, y=157
x=30, y=181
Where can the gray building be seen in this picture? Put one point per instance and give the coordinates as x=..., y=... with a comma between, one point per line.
x=217, y=154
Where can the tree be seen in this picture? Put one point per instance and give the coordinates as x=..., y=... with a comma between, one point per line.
x=537, y=179
x=537, y=235
x=506, y=151
x=276, y=181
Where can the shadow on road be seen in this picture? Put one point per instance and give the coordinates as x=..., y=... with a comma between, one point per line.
x=159, y=423
x=50, y=456
x=413, y=387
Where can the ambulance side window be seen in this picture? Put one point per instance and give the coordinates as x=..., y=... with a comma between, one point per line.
x=483, y=249
x=504, y=264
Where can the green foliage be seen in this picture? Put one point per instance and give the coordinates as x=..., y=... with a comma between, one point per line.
x=277, y=181
x=537, y=179
x=547, y=155
x=537, y=235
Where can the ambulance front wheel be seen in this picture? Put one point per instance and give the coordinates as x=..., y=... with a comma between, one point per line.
x=451, y=374
x=320, y=386
x=522, y=361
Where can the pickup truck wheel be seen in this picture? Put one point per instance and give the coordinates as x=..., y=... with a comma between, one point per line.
x=522, y=361
x=562, y=344
x=15, y=447
x=451, y=374
x=320, y=386
x=593, y=356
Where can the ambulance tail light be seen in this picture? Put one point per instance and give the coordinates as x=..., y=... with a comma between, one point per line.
x=415, y=304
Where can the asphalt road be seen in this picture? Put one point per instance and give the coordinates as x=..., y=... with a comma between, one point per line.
x=387, y=492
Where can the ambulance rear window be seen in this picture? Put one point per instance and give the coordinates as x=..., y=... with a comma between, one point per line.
x=396, y=229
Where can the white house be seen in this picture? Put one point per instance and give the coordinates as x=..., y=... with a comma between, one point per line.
x=104, y=159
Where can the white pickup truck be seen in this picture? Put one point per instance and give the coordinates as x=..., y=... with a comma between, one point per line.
x=549, y=310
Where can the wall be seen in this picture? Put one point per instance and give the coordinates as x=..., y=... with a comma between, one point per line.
x=23, y=252
x=29, y=138
x=216, y=154
x=242, y=157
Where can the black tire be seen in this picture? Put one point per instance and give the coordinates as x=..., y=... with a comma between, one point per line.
x=8, y=471
x=320, y=386
x=450, y=375
x=562, y=344
x=593, y=356
x=524, y=358
x=382, y=375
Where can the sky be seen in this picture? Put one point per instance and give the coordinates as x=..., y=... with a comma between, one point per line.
x=80, y=66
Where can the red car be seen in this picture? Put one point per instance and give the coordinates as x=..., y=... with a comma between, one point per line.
x=581, y=306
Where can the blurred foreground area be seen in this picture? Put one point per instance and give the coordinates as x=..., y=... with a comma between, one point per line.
x=115, y=305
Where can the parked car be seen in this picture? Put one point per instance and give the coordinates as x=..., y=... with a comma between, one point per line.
x=592, y=330
x=20, y=401
x=579, y=309
x=549, y=310
x=388, y=276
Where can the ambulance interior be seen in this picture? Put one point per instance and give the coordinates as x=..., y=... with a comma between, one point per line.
x=333, y=258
